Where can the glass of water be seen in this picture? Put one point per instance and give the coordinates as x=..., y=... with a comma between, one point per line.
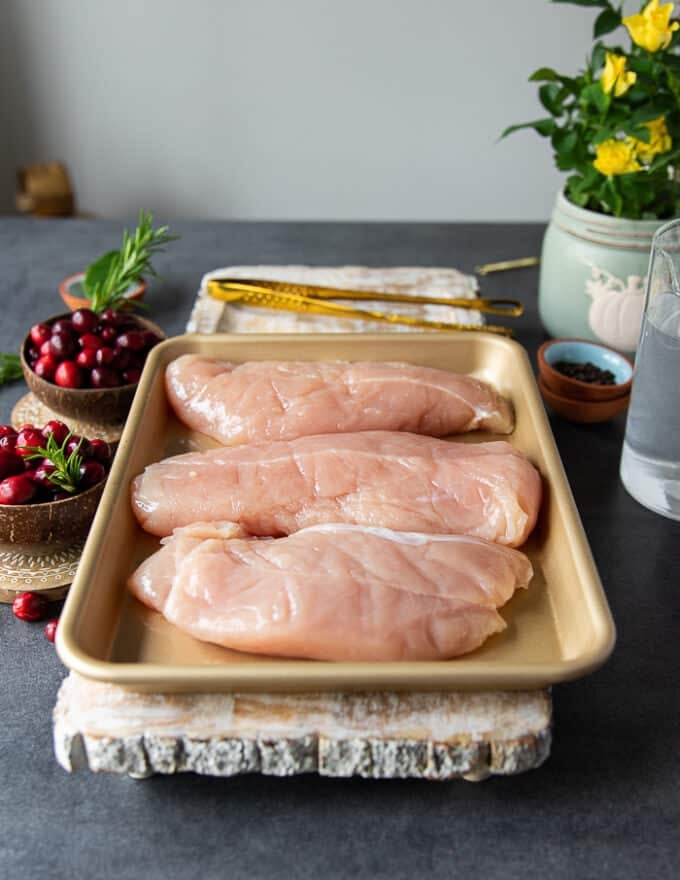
x=650, y=462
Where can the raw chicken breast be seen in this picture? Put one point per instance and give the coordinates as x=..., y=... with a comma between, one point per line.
x=276, y=400
x=333, y=592
x=374, y=478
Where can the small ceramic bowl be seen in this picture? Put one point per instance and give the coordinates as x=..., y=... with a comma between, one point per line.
x=586, y=411
x=101, y=405
x=50, y=522
x=71, y=290
x=582, y=351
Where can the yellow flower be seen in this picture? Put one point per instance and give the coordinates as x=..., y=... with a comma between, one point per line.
x=615, y=76
x=615, y=157
x=660, y=141
x=651, y=28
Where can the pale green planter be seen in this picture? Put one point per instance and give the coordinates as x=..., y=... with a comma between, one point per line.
x=593, y=271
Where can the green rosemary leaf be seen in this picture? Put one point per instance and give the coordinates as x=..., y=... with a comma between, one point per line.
x=10, y=368
x=66, y=473
x=126, y=266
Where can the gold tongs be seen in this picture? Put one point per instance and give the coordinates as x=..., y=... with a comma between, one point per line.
x=313, y=299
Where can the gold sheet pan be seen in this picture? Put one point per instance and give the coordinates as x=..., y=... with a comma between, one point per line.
x=558, y=629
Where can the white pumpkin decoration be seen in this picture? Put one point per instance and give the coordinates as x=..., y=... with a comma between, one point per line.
x=616, y=310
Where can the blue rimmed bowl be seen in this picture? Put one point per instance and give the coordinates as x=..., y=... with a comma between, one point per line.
x=582, y=351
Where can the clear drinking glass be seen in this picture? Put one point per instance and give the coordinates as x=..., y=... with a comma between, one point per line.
x=650, y=462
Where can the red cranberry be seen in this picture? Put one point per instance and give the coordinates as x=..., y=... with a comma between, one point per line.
x=79, y=444
x=8, y=442
x=18, y=489
x=100, y=451
x=7, y=431
x=10, y=464
x=28, y=437
x=84, y=321
x=51, y=629
x=57, y=429
x=30, y=607
x=132, y=339
x=63, y=346
x=45, y=367
x=69, y=375
x=150, y=339
x=91, y=473
x=87, y=358
x=91, y=340
x=61, y=495
x=104, y=377
x=32, y=354
x=104, y=357
x=109, y=334
x=109, y=317
x=40, y=333
x=63, y=326
x=42, y=476
x=132, y=375
x=46, y=349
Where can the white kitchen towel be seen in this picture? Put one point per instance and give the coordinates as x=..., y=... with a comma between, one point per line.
x=212, y=316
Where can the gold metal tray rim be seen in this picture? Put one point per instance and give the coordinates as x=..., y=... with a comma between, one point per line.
x=303, y=674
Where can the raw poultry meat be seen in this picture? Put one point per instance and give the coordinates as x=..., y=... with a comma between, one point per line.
x=374, y=478
x=333, y=592
x=277, y=400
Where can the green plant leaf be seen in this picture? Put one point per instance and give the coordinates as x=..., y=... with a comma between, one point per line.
x=594, y=96
x=10, y=368
x=545, y=74
x=606, y=22
x=549, y=95
x=656, y=108
x=97, y=271
x=544, y=127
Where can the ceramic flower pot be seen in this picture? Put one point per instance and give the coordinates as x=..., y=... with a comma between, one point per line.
x=593, y=270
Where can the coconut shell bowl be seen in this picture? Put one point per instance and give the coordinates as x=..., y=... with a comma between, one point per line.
x=584, y=381
x=107, y=405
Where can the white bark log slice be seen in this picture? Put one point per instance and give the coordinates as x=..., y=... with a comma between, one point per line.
x=436, y=736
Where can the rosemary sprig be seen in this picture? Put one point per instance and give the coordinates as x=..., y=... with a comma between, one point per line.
x=126, y=266
x=10, y=368
x=66, y=473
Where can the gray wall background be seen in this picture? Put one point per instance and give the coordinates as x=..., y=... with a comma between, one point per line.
x=297, y=109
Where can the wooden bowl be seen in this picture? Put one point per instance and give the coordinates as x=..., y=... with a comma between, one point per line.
x=585, y=411
x=582, y=351
x=50, y=522
x=101, y=405
x=71, y=290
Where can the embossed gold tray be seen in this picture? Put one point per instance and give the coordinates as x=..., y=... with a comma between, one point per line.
x=559, y=628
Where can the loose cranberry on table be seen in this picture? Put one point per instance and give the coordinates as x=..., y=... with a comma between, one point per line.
x=51, y=629
x=30, y=607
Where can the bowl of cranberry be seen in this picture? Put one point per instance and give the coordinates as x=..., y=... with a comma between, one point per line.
x=86, y=365
x=51, y=481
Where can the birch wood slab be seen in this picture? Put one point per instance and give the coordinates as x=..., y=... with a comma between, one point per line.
x=434, y=736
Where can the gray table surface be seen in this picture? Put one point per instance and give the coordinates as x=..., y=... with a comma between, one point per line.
x=606, y=804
